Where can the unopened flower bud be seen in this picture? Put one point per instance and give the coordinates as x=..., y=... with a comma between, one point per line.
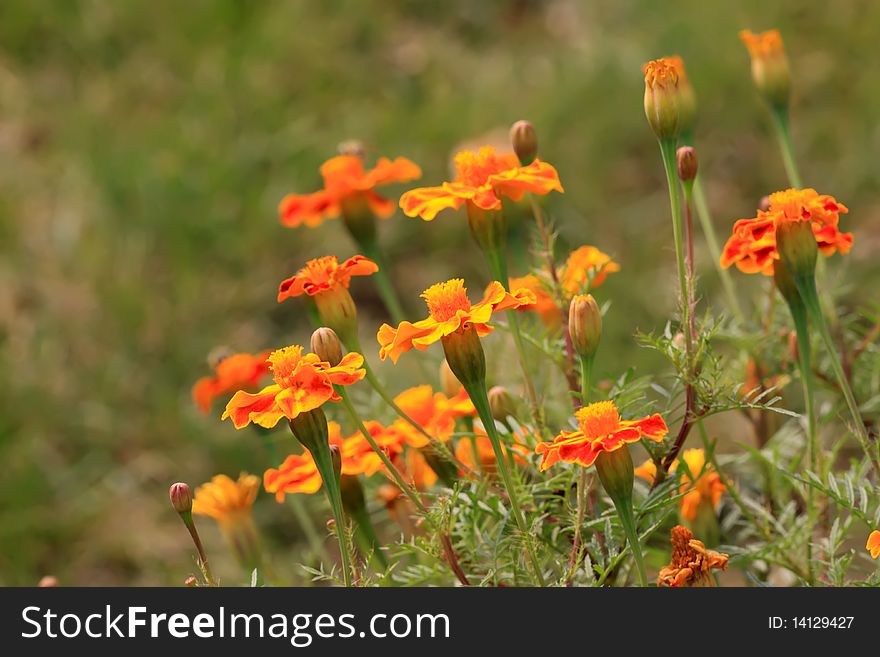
x=48, y=582
x=330, y=525
x=524, y=140
x=325, y=345
x=662, y=99
x=769, y=66
x=181, y=497
x=686, y=159
x=448, y=383
x=584, y=325
x=352, y=147
x=191, y=581
x=501, y=403
x=764, y=205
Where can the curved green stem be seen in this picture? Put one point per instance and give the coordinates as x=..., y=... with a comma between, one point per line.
x=480, y=399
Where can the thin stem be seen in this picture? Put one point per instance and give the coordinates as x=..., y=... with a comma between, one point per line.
x=324, y=463
x=711, y=236
x=369, y=540
x=627, y=519
x=586, y=384
x=480, y=399
x=197, y=541
x=383, y=282
x=807, y=289
x=783, y=134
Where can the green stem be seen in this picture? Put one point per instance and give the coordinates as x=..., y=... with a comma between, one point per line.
x=807, y=289
x=667, y=150
x=627, y=519
x=369, y=540
x=324, y=463
x=783, y=134
x=715, y=249
x=383, y=281
x=586, y=378
x=480, y=399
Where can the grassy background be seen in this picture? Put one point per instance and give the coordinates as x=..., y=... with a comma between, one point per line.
x=144, y=147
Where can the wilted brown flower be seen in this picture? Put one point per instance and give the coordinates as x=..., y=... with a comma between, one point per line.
x=691, y=563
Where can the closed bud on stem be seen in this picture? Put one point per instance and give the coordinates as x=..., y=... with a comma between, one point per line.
x=501, y=403
x=448, y=383
x=524, y=140
x=662, y=99
x=769, y=66
x=686, y=160
x=353, y=147
x=584, y=325
x=325, y=345
x=797, y=247
x=181, y=497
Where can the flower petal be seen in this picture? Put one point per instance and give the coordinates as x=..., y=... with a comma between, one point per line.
x=259, y=408
x=308, y=209
x=426, y=202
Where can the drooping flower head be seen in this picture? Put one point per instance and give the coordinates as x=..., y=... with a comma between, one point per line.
x=600, y=429
x=873, y=544
x=325, y=280
x=700, y=484
x=769, y=65
x=302, y=383
x=692, y=563
x=347, y=185
x=226, y=501
x=433, y=411
x=662, y=98
x=231, y=373
x=753, y=247
x=450, y=311
x=481, y=179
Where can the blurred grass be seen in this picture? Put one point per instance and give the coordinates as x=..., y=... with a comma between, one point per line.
x=144, y=147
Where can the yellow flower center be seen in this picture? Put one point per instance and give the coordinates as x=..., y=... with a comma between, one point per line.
x=283, y=363
x=660, y=73
x=445, y=299
x=793, y=203
x=598, y=419
x=475, y=168
x=321, y=270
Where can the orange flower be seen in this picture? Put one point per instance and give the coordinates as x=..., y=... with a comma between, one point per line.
x=346, y=181
x=586, y=269
x=302, y=383
x=358, y=457
x=691, y=564
x=769, y=65
x=700, y=484
x=600, y=429
x=414, y=468
x=232, y=373
x=481, y=179
x=873, y=545
x=464, y=452
x=662, y=97
x=544, y=304
x=226, y=501
x=433, y=411
x=450, y=310
x=326, y=275
x=298, y=474
x=752, y=247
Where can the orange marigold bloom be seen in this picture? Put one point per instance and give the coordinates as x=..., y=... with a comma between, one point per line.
x=325, y=275
x=449, y=310
x=873, y=544
x=346, y=181
x=544, y=304
x=298, y=474
x=481, y=179
x=302, y=383
x=464, y=452
x=433, y=411
x=752, y=247
x=586, y=269
x=358, y=457
x=700, y=484
x=692, y=563
x=232, y=373
x=226, y=501
x=600, y=429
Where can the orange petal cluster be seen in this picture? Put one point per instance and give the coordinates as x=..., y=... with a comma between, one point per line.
x=302, y=383
x=873, y=544
x=433, y=411
x=232, y=373
x=478, y=455
x=325, y=274
x=481, y=179
x=692, y=563
x=752, y=246
x=345, y=178
x=225, y=500
x=600, y=429
x=449, y=310
x=700, y=484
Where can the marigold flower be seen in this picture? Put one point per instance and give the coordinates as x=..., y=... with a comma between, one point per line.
x=347, y=181
x=481, y=179
x=358, y=457
x=449, y=311
x=227, y=501
x=586, y=269
x=545, y=305
x=600, y=429
x=700, y=484
x=584, y=325
x=464, y=452
x=433, y=411
x=687, y=99
x=302, y=383
x=873, y=544
x=231, y=374
x=769, y=65
x=692, y=563
x=752, y=247
x=298, y=474
x=662, y=98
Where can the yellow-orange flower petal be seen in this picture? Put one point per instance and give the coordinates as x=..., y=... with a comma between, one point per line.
x=302, y=383
x=298, y=474
x=433, y=411
x=325, y=275
x=752, y=246
x=233, y=373
x=449, y=310
x=873, y=544
x=600, y=429
x=345, y=177
x=225, y=500
x=469, y=450
x=586, y=268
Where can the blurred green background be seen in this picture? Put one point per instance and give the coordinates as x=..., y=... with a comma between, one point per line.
x=144, y=147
